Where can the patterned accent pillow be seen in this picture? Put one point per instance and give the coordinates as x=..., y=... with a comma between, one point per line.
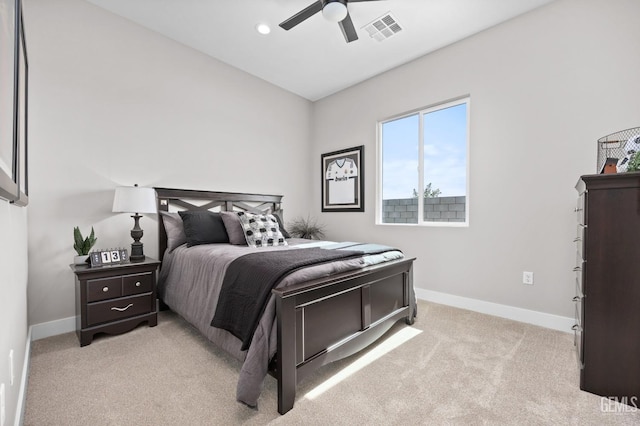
x=261, y=230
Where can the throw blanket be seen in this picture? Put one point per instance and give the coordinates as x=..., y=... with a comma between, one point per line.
x=249, y=280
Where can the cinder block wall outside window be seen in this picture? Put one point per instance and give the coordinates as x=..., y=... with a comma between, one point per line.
x=436, y=209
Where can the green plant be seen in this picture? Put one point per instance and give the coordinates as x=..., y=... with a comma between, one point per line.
x=83, y=245
x=428, y=192
x=634, y=163
x=306, y=228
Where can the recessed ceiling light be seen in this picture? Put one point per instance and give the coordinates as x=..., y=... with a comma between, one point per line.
x=263, y=29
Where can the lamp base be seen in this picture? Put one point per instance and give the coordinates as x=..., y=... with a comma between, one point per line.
x=137, y=255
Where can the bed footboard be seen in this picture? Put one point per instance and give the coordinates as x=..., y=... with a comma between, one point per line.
x=325, y=320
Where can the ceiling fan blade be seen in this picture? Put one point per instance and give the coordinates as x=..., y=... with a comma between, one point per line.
x=304, y=14
x=348, y=31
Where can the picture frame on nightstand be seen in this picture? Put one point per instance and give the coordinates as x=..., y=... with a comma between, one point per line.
x=108, y=257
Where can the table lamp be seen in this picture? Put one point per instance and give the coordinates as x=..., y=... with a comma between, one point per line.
x=134, y=199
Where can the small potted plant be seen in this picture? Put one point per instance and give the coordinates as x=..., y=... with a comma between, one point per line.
x=82, y=245
x=306, y=228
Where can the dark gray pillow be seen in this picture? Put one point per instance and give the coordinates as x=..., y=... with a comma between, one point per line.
x=203, y=227
x=175, y=230
x=234, y=228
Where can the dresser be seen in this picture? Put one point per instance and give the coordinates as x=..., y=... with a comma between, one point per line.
x=607, y=285
x=115, y=298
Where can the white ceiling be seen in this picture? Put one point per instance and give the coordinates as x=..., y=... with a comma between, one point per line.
x=312, y=59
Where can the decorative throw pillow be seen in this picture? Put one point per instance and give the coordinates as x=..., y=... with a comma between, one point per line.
x=281, y=225
x=234, y=228
x=261, y=230
x=203, y=227
x=174, y=229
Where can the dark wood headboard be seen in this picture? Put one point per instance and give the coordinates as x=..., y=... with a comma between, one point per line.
x=170, y=199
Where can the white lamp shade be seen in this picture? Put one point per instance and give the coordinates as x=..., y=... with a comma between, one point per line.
x=134, y=199
x=335, y=11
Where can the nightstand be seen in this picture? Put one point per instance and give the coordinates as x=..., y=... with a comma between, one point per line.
x=115, y=298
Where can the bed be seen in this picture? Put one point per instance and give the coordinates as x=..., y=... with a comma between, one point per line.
x=315, y=315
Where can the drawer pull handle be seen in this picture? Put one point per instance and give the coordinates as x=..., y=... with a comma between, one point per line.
x=577, y=209
x=138, y=284
x=577, y=269
x=575, y=327
x=105, y=289
x=577, y=298
x=122, y=309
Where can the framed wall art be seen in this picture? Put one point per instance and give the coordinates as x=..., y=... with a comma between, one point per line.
x=21, y=108
x=343, y=180
x=8, y=66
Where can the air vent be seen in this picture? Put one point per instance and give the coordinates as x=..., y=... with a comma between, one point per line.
x=383, y=27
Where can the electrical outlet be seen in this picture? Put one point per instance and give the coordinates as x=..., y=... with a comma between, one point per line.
x=527, y=278
x=2, y=410
x=11, y=375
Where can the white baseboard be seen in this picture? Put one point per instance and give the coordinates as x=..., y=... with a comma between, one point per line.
x=22, y=393
x=53, y=328
x=542, y=319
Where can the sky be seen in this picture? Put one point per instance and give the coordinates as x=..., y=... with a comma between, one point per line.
x=445, y=153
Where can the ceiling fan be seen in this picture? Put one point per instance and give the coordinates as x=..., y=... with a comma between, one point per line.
x=332, y=10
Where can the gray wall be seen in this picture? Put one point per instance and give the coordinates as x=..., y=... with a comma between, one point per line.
x=112, y=103
x=544, y=87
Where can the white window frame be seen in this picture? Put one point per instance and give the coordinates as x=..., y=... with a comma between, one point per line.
x=421, y=112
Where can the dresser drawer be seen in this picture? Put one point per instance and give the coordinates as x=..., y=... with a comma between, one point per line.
x=105, y=288
x=136, y=284
x=577, y=341
x=580, y=241
x=579, y=293
x=112, y=310
x=580, y=213
x=578, y=311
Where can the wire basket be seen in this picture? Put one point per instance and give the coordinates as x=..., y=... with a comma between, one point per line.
x=615, y=150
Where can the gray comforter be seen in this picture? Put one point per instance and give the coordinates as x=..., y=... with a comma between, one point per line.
x=190, y=282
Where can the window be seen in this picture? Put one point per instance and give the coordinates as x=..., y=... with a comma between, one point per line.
x=423, y=169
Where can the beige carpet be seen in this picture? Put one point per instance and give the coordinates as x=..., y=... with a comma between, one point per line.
x=462, y=368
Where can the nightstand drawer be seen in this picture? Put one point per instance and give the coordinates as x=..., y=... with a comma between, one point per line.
x=102, y=289
x=136, y=284
x=116, y=309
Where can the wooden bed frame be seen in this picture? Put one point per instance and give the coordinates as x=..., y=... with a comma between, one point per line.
x=320, y=321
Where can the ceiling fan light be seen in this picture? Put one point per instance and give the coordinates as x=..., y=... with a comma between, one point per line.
x=334, y=11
